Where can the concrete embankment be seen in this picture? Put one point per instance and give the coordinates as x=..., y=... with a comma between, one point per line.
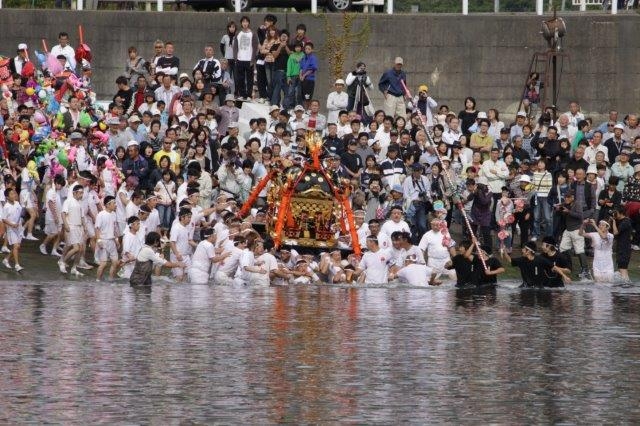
x=486, y=56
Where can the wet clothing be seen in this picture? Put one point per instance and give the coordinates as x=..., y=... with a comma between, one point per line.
x=560, y=260
x=492, y=264
x=533, y=271
x=142, y=270
x=623, y=252
x=464, y=270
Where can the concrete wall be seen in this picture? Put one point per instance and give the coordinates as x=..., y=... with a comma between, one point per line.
x=485, y=56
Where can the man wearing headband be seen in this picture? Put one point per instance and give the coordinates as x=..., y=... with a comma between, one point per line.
x=602, y=243
x=225, y=270
x=53, y=216
x=147, y=259
x=181, y=243
x=532, y=267
x=374, y=266
x=204, y=256
x=73, y=220
x=131, y=246
x=550, y=252
x=107, y=244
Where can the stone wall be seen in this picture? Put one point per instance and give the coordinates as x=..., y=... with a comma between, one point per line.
x=486, y=56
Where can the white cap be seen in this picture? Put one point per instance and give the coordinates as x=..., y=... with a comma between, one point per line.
x=398, y=60
x=155, y=111
x=592, y=169
x=482, y=114
x=274, y=108
x=525, y=178
x=619, y=126
x=183, y=75
x=132, y=143
x=229, y=97
x=299, y=108
x=521, y=114
x=134, y=119
x=22, y=46
x=445, y=158
x=232, y=125
x=339, y=81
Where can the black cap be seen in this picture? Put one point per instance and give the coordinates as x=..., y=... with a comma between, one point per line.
x=549, y=240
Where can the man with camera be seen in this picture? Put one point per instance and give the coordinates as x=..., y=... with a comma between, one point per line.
x=417, y=195
x=358, y=82
x=574, y=215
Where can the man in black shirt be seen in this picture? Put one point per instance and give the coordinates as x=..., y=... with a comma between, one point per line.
x=532, y=266
x=124, y=96
x=578, y=161
x=634, y=158
x=622, y=228
x=210, y=67
x=351, y=161
x=494, y=267
x=561, y=260
x=461, y=261
x=168, y=64
x=332, y=142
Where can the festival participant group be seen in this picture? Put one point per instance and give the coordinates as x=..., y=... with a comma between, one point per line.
x=151, y=185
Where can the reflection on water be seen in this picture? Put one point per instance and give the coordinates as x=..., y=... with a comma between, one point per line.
x=175, y=353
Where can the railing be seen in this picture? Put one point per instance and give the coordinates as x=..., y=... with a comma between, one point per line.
x=539, y=4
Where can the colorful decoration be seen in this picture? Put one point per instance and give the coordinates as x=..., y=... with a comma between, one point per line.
x=307, y=204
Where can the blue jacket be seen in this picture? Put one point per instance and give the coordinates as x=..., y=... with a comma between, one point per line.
x=309, y=62
x=390, y=81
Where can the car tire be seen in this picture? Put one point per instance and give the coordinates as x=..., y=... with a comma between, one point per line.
x=339, y=5
x=245, y=5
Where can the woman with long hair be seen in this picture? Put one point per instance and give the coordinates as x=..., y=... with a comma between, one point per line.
x=495, y=124
x=270, y=45
x=371, y=170
x=226, y=46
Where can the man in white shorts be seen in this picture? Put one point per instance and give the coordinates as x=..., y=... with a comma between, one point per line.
x=437, y=253
x=131, y=246
x=181, y=243
x=12, y=218
x=74, y=227
x=53, y=216
x=107, y=243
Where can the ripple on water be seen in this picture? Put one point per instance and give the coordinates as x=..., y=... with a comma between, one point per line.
x=73, y=352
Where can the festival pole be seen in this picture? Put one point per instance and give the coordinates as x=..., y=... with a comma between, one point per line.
x=456, y=200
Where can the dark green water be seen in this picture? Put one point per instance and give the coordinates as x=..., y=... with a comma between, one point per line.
x=106, y=353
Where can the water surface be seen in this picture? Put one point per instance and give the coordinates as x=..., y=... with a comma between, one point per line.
x=107, y=353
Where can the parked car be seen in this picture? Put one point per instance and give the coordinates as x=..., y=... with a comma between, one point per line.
x=333, y=5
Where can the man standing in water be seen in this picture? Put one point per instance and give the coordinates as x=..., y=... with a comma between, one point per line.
x=532, y=267
x=561, y=260
x=147, y=259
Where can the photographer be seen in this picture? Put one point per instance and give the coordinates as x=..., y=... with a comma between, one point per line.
x=357, y=83
x=622, y=229
x=574, y=216
x=230, y=174
x=418, y=196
